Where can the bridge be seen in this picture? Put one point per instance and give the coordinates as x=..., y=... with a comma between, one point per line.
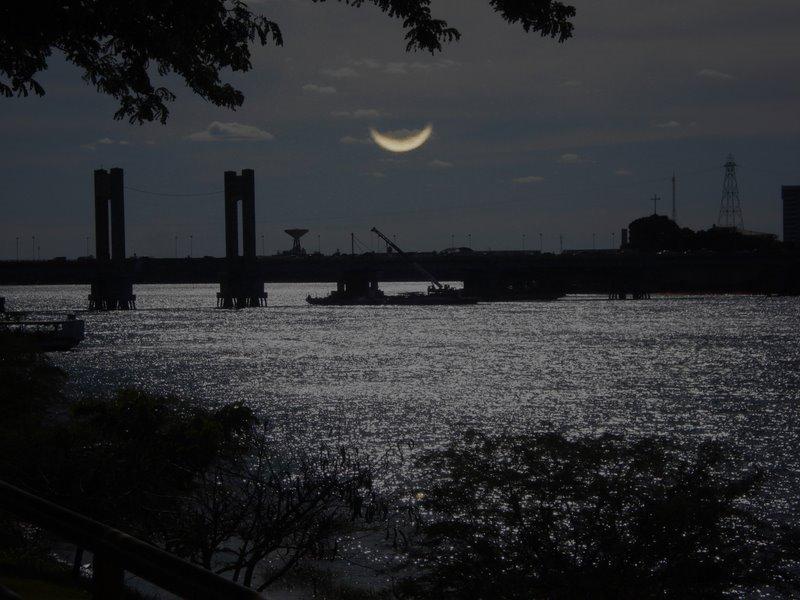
x=601, y=272
x=486, y=275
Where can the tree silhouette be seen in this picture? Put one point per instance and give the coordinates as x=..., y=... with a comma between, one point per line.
x=543, y=516
x=120, y=45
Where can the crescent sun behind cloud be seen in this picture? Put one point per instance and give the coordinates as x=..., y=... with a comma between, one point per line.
x=401, y=144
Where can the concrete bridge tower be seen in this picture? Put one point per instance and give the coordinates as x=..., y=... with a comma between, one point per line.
x=240, y=284
x=112, y=286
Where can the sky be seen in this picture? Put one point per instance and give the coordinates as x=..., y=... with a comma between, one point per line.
x=570, y=141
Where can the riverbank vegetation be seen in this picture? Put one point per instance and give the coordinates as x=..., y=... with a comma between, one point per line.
x=489, y=516
x=544, y=516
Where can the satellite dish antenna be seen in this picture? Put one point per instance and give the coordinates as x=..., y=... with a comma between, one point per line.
x=296, y=234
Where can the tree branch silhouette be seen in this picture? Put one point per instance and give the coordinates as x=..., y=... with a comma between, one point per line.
x=121, y=46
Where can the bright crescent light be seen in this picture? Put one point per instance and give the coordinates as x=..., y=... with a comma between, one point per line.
x=405, y=144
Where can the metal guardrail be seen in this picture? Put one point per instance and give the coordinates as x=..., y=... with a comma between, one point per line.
x=116, y=552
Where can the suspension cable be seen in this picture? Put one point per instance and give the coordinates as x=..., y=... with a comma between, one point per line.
x=141, y=191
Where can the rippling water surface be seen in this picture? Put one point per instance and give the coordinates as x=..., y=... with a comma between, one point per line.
x=725, y=367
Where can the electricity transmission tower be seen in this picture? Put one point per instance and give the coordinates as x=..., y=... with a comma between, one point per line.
x=730, y=210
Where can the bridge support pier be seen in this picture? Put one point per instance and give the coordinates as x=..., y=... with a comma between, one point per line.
x=240, y=284
x=112, y=286
x=239, y=287
x=112, y=290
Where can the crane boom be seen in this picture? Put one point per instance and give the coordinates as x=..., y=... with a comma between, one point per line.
x=414, y=263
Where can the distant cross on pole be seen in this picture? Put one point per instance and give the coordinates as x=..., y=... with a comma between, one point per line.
x=452, y=240
x=655, y=200
x=469, y=240
x=613, y=242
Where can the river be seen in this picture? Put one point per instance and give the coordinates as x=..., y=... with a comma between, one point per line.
x=689, y=368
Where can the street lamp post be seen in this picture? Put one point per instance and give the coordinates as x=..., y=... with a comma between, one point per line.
x=191, y=246
x=176, y=246
x=17, y=248
x=33, y=247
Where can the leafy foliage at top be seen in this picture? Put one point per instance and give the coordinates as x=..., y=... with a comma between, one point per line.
x=115, y=43
x=118, y=45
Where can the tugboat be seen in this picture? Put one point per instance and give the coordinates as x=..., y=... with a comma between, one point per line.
x=42, y=335
x=363, y=290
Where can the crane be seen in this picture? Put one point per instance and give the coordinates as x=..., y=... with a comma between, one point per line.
x=415, y=264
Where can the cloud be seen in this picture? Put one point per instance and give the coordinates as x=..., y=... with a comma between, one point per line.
x=570, y=158
x=572, y=83
x=230, y=132
x=325, y=90
x=396, y=68
x=340, y=73
x=377, y=174
x=667, y=125
x=349, y=139
x=369, y=63
x=440, y=164
x=623, y=172
x=528, y=179
x=359, y=113
x=106, y=141
x=403, y=67
x=714, y=74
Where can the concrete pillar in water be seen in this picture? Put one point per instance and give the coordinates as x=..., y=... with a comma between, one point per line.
x=117, y=202
x=241, y=285
x=112, y=286
x=102, y=192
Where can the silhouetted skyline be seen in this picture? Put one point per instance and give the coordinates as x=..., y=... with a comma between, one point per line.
x=529, y=135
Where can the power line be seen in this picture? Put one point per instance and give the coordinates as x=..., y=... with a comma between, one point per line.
x=446, y=208
x=151, y=193
x=787, y=174
x=473, y=206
